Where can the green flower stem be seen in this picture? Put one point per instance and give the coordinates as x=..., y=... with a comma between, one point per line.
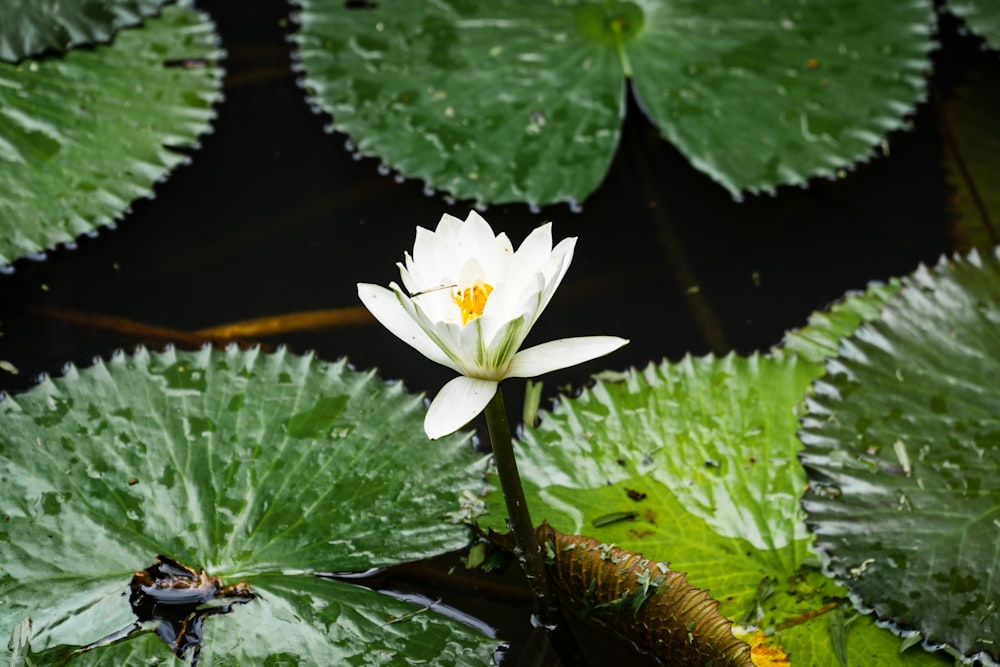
x=531, y=557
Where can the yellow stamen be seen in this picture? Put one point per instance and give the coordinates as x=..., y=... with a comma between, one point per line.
x=472, y=300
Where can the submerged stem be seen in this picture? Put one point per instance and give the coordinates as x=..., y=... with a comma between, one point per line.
x=531, y=557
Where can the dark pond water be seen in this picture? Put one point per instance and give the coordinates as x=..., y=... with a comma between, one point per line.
x=274, y=216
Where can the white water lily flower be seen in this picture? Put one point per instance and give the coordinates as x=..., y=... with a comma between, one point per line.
x=470, y=304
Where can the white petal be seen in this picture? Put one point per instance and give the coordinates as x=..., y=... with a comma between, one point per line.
x=561, y=353
x=476, y=239
x=448, y=225
x=561, y=258
x=433, y=254
x=534, y=251
x=411, y=280
x=385, y=306
x=503, y=345
x=502, y=305
x=476, y=224
x=471, y=273
x=447, y=335
x=435, y=305
x=457, y=404
x=553, y=271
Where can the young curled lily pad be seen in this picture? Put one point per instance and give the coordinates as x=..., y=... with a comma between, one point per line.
x=244, y=477
x=902, y=448
x=648, y=602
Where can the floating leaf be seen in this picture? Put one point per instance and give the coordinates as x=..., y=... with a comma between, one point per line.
x=262, y=469
x=759, y=94
x=820, y=338
x=29, y=27
x=972, y=159
x=702, y=455
x=982, y=17
x=902, y=445
x=85, y=134
x=500, y=101
x=647, y=601
x=512, y=101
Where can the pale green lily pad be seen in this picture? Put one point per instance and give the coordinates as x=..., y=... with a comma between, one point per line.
x=260, y=468
x=29, y=27
x=695, y=463
x=903, y=448
x=85, y=134
x=982, y=17
x=512, y=101
x=820, y=338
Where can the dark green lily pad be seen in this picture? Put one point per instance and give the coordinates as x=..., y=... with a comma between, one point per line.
x=501, y=101
x=982, y=17
x=513, y=101
x=263, y=469
x=695, y=463
x=759, y=94
x=30, y=27
x=84, y=135
x=902, y=447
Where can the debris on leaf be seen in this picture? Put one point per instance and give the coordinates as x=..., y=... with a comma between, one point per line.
x=181, y=599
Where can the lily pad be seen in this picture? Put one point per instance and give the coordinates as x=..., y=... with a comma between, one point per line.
x=820, y=338
x=501, y=101
x=902, y=446
x=265, y=470
x=85, y=134
x=982, y=17
x=29, y=27
x=695, y=463
x=512, y=101
x=774, y=93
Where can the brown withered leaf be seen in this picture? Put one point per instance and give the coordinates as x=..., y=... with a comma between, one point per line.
x=643, y=600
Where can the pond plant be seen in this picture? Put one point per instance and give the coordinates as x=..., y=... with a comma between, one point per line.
x=205, y=497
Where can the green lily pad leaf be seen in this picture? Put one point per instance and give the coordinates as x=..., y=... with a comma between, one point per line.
x=820, y=338
x=264, y=470
x=511, y=101
x=972, y=159
x=982, y=17
x=498, y=102
x=764, y=94
x=695, y=463
x=902, y=445
x=307, y=621
x=85, y=134
x=29, y=27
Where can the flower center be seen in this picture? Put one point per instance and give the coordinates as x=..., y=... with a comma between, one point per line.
x=472, y=300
